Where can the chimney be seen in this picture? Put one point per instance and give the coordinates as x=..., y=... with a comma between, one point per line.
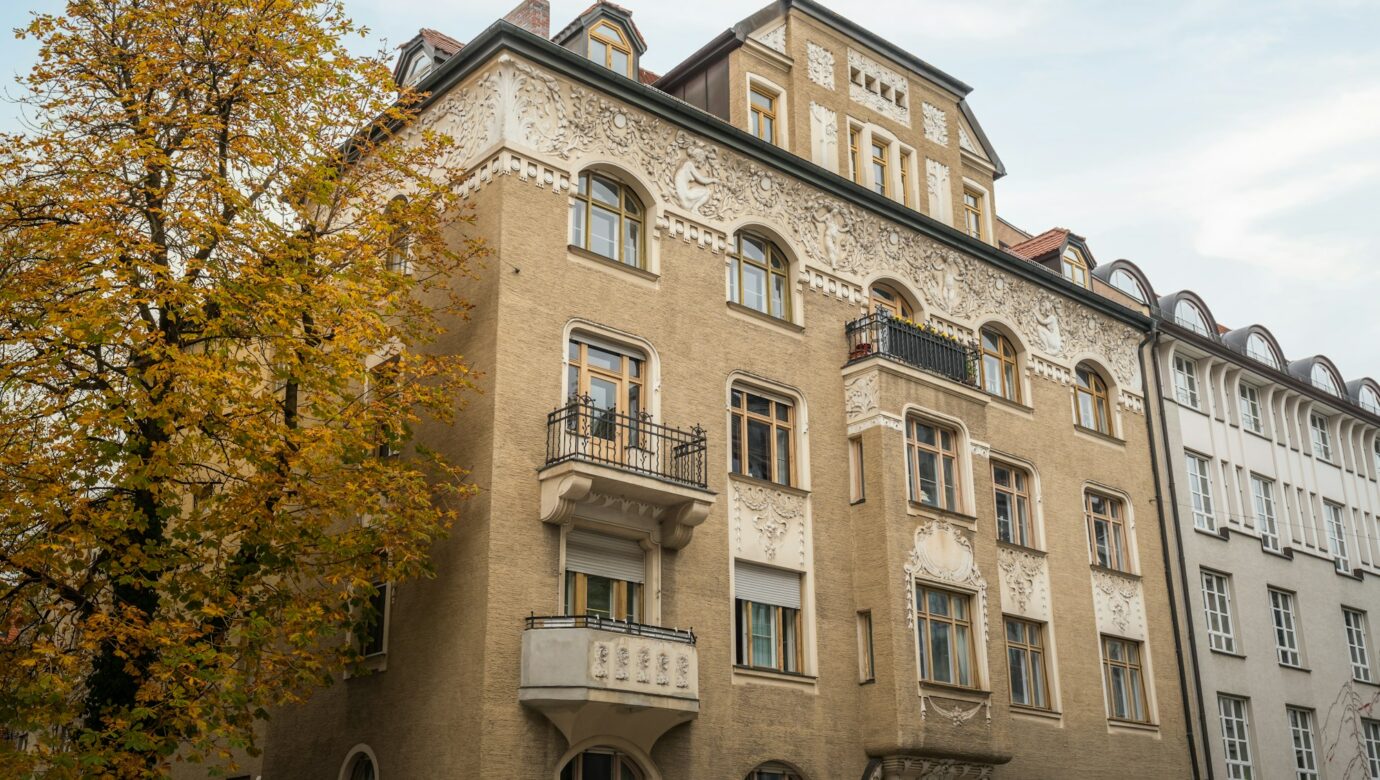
x=534, y=16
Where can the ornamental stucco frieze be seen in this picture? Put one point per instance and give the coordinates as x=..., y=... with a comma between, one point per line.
x=820, y=65
x=936, y=123
x=774, y=39
x=1024, y=579
x=770, y=525
x=1118, y=604
x=942, y=553
x=704, y=190
x=870, y=69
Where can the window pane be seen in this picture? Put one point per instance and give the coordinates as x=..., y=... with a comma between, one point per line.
x=942, y=651
x=1037, y=679
x=759, y=449
x=962, y=654
x=599, y=596
x=754, y=287
x=603, y=232
x=763, y=635
x=929, y=485
x=783, y=456
x=753, y=249
x=756, y=404
x=778, y=296
x=1019, y=683
x=737, y=443
x=619, y=61
x=577, y=223
x=632, y=242
x=604, y=191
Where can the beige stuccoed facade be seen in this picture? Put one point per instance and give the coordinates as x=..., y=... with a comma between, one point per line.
x=836, y=675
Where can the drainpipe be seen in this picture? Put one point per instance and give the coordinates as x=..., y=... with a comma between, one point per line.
x=1153, y=338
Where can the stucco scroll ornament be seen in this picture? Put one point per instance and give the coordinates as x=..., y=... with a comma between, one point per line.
x=1118, y=597
x=771, y=512
x=1022, y=572
x=944, y=554
x=860, y=396
x=532, y=107
x=957, y=715
x=820, y=65
x=936, y=124
x=693, y=179
x=1047, y=328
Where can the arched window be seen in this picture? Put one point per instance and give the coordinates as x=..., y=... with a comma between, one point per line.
x=1188, y=316
x=1074, y=267
x=1126, y=282
x=609, y=47
x=361, y=767
x=999, y=373
x=606, y=219
x=1259, y=349
x=886, y=298
x=758, y=276
x=399, y=237
x=601, y=764
x=1370, y=400
x=1322, y=379
x=1093, y=407
x=772, y=771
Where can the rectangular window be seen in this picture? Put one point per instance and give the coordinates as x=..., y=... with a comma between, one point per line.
x=762, y=114
x=1124, y=679
x=905, y=179
x=1236, y=737
x=879, y=169
x=1286, y=633
x=604, y=576
x=1322, y=438
x=1301, y=730
x=1106, y=531
x=932, y=462
x=972, y=213
x=1200, y=490
x=856, y=491
x=383, y=382
x=1250, y=409
x=763, y=437
x=867, y=671
x=944, y=632
x=854, y=160
x=374, y=636
x=1336, y=537
x=767, y=610
x=1011, y=488
x=1356, y=642
x=1217, y=607
x=1371, y=735
x=1263, y=493
x=1025, y=659
x=1186, y=382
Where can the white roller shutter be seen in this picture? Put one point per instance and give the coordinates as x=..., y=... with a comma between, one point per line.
x=765, y=585
x=605, y=556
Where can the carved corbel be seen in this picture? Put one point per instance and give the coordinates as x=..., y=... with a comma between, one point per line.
x=679, y=523
x=559, y=497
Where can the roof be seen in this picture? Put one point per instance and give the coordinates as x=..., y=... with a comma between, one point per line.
x=440, y=41
x=646, y=76
x=1038, y=248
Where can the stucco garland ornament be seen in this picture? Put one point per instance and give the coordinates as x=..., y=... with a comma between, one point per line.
x=860, y=396
x=956, y=715
x=942, y=553
x=1119, y=597
x=1022, y=570
x=772, y=513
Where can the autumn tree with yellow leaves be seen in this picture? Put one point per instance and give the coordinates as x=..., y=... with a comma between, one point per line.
x=224, y=251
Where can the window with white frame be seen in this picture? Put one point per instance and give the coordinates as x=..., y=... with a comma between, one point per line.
x=1336, y=537
x=1377, y=459
x=1286, y=633
x=1236, y=737
x=1250, y=409
x=1370, y=400
x=1217, y=608
x=1323, y=379
x=1257, y=348
x=1356, y=642
x=1301, y=730
x=1187, y=315
x=1263, y=494
x=1200, y=492
x=1322, y=437
x=1371, y=735
x=1186, y=381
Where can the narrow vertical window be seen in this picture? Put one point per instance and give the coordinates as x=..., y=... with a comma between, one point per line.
x=1356, y=641
x=906, y=197
x=1236, y=737
x=399, y=237
x=1092, y=404
x=972, y=213
x=1217, y=609
x=767, y=602
x=867, y=669
x=1263, y=495
x=854, y=156
x=1121, y=663
x=880, y=183
x=1106, y=531
x=1250, y=409
x=1186, y=382
x=1336, y=537
x=1301, y=730
x=933, y=464
x=1286, y=633
x=1025, y=657
x=1322, y=437
x=856, y=491
x=1371, y=735
x=762, y=114
x=1011, y=492
x=1200, y=492
x=763, y=439
x=944, y=632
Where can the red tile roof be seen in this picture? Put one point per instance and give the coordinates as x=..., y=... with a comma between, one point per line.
x=1050, y=241
x=441, y=42
x=646, y=76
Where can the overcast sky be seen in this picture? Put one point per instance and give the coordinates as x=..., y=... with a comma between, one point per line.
x=1227, y=146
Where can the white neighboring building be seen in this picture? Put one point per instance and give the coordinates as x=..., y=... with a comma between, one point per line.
x=1272, y=470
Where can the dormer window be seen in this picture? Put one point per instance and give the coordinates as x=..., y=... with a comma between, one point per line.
x=609, y=47
x=1370, y=400
x=1124, y=281
x=417, y=68
x=1074, y=267
x=1322, y=379
x=1188, y=316
x=1257, y=348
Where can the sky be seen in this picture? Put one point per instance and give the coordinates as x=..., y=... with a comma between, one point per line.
x=1231, y=147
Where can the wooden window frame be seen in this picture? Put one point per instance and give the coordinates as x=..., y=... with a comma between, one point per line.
x=1097, y=391
x=738, y=259
x=1073, y=267
x=740, y=415
x=1006, y=356
x=1026, y=649
x=883, y=164
x=630, y=210
x=1023, y=528
x=577, y=596
x=904, y=170
x=973, y=214
x=854, y=153
x=1133, y=668
x=756, y=113
x=923, y=619
x=1119, y=550
x=901, y=308
x=399, y=258
x=857, y=488
x=780, y=619
x=624, y=379
x=619, y=44
x=867, y=657
x=942, y=455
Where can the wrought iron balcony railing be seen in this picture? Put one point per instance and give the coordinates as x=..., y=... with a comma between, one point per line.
x=904, y=342
x=583, y=430
x=615, y=626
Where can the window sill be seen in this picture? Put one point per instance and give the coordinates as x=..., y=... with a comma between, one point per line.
x=1294, y=668
x=1227, y=653
x=1352, y=574
x=1037, y=713
x=1188, y=407
x=768, y=484
x=1371, y=683
x=917, y=508
x=857, y=502
x=599, y=262
x=368, y=666
x=1022, y=548
x=751, y=314
x=1139, y=727
x=750, y=674
x=1287, y=553
x=1115, y=572
x=948, y=691
x=1012, y=406
x=1259, y=434
x=1221, y=534
x=1096, y=435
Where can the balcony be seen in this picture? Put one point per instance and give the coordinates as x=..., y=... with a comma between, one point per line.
x=911, y=344
x=625, y=468
x=593, y=676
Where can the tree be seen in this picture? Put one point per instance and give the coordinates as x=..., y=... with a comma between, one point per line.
x=200, y=232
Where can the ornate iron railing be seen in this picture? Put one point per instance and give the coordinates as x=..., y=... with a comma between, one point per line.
x=881, y=334
x=583, y=430
x=609, y=624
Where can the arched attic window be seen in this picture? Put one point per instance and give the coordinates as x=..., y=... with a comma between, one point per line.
x=1074, y=267
x=1323, y=379
x=1126, y=282
x=1187, y=315
x=1370, y=400
x=608, y=46
x=1258, y=348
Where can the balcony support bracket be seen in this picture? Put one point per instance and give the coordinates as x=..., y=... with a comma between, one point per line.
x=667, y=510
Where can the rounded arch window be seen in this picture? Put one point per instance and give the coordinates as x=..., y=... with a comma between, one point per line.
x=759, y=276
x=1322, y=379
x=1000, y=376
x=886, y=298
x=1074, y=267
x=773, y=771
x=1188, y=316
x=362, y=768
x=1370, y=400
x=1093, y=407
x=1126, y=282
x=601, y=764
x=1259, y=349
x=606, y=218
